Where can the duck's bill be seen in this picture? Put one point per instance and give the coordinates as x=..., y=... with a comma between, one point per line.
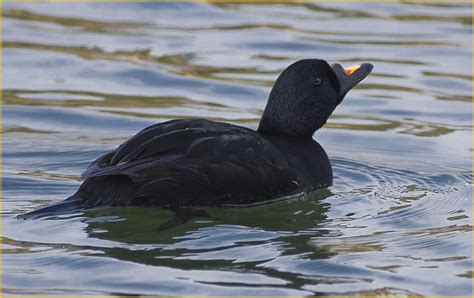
x=351, y=76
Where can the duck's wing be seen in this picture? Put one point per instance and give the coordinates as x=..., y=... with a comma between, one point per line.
x=198, y=162
x=151, y=142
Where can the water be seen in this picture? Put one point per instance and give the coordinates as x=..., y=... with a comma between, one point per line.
x=81, y=78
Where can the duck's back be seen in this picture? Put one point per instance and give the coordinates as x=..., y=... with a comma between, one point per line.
x=200, y=162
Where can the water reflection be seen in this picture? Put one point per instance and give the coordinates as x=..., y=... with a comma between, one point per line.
x=288, y=217
x=87, y=25
x=80, y=78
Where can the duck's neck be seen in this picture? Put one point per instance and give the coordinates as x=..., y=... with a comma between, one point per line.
x=274, y=126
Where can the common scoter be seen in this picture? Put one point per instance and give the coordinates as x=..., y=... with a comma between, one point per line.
x=197, y=162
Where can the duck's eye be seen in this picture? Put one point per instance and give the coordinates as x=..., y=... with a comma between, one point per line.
x=317, y=82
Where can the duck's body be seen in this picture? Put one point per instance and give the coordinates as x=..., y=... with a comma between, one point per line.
x=199, y=162
x=182, y=163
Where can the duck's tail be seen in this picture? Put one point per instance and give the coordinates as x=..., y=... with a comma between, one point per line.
x=70, y=205
x=93, y=192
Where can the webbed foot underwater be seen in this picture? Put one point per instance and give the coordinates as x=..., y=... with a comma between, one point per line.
x=198, y=162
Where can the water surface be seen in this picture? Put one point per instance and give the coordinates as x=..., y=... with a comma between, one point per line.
x=80, y=78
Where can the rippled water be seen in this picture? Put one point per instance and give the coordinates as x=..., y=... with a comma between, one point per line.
x=81, y=78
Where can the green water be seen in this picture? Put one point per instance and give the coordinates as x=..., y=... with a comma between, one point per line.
x=80, y=78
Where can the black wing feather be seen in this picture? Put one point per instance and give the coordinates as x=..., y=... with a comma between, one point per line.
x=193, y=162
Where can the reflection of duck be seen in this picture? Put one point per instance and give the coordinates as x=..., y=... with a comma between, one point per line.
x=217, y=229
x=199, y=162
x=293, y=216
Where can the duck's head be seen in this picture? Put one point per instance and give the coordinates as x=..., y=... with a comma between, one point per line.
x=305, y=95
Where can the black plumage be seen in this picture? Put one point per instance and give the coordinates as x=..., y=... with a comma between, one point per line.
x=200, y=162
x=197, y=162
